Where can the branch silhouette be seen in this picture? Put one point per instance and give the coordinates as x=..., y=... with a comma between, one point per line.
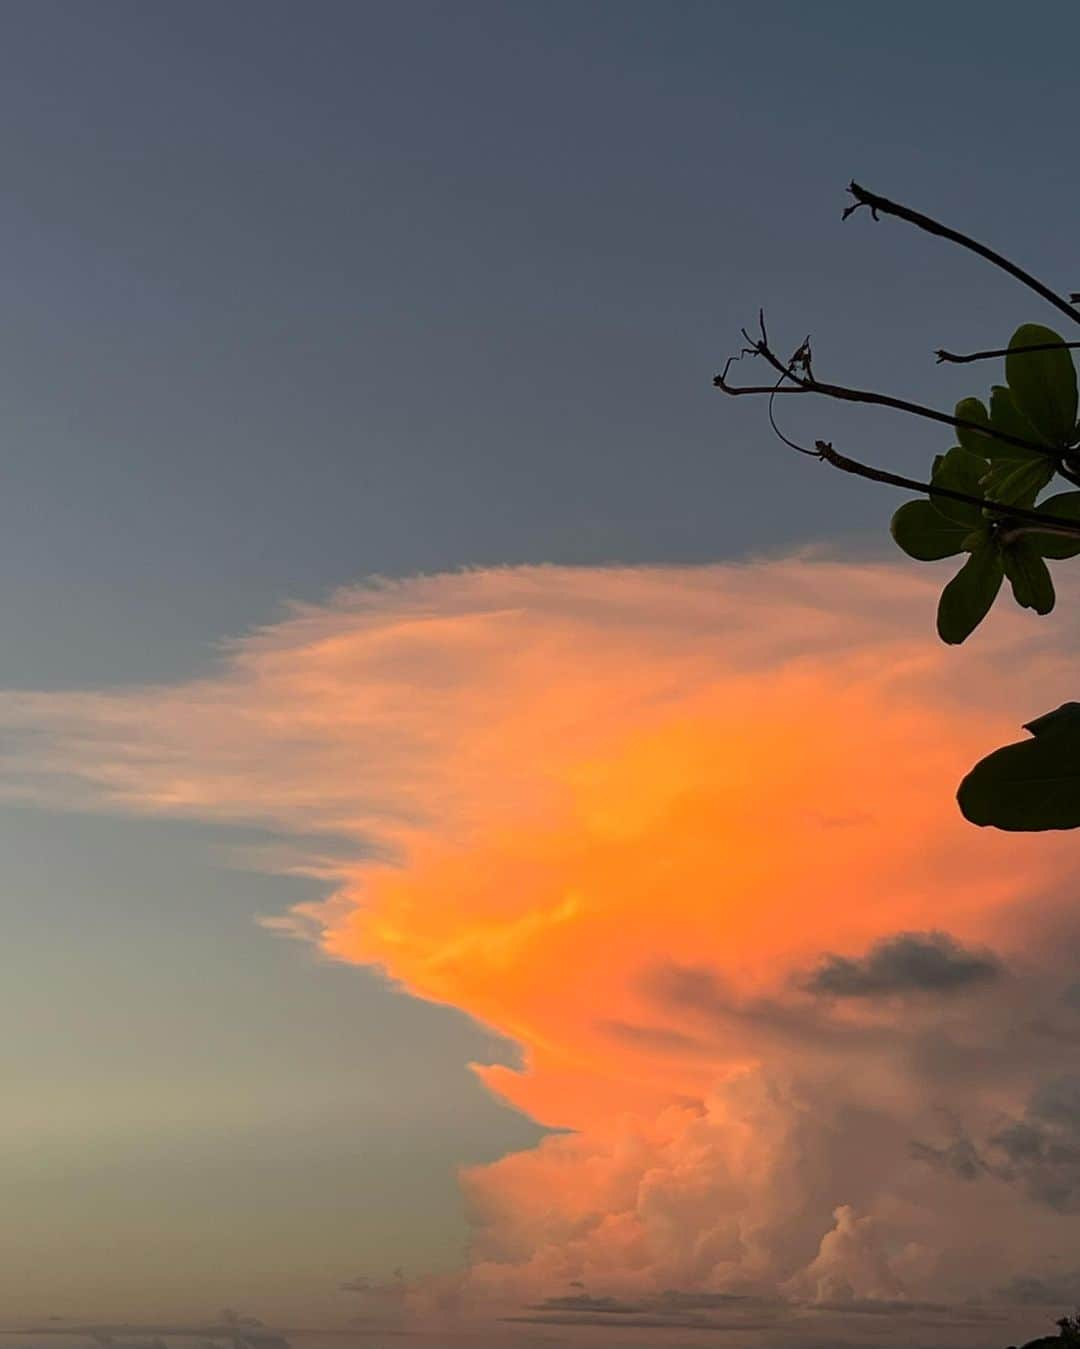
x=883, y=206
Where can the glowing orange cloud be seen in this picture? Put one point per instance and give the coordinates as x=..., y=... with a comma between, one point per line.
x=618, y=815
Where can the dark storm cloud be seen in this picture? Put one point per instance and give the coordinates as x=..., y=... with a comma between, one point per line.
x=961, y=1158
x=1038, y=1151
x=908, y=962
x=695, y=992
x=699, y=992
x=1042, y=1150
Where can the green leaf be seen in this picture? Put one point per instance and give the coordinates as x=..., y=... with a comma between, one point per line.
x=1043, y=383
x=924, y=533
x=972, y=410
x=1067, y=506
x=959, y=471
x=1031, y=584
x=1007, y=418
x=1017, y=481
x=1032, y=785
x=966, y=600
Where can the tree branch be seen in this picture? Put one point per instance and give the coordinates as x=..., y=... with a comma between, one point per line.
x=1056, y=524
x=877, y=204
x=952, y=359
x=808, y=383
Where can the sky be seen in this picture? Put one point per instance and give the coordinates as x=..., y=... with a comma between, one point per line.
x=471, y=803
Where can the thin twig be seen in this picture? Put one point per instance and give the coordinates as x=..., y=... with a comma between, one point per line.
x=780, y=388
x=720, y=380
x=953, y=359
x=863, y=197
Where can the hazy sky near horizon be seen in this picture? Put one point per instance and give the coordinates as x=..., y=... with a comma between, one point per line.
x=300, y=294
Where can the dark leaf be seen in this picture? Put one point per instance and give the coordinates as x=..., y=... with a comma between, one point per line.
x=1017, y=481
x=959, y=471
x=1067, y=506
x=1030, y=580
x=966, y=600
x=973, y=410
x=1043, y=383
x=924, y=533
x=1007, y=418
x=1032, y=785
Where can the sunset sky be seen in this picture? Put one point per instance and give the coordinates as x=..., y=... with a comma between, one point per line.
x=480, y=856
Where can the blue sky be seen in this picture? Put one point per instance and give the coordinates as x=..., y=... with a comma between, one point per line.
x=295, y=294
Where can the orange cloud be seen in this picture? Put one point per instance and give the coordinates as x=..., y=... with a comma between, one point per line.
x=618, y=815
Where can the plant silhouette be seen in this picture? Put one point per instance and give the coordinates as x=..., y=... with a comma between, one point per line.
x=983, y=501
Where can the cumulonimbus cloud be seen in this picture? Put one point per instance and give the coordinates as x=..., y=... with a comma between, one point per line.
x=618, y=814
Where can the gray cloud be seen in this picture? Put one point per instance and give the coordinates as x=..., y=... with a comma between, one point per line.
x=676, y=1299
x=927, y=1045
x=1042, y=1150
x=962, y=1158
x=673, y=1308
x=1048, y=1290
x=1058, y=1102
x=701, y=993
x=582, y=1302
x=797, y=1321
x=908, y=962
x=1038, y=1151
x=640, y=1321
x=395, y=1288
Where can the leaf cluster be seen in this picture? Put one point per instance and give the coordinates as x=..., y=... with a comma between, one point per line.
x=983, y=501
x=1007, y=455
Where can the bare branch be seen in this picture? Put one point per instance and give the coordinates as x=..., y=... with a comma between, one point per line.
x=953, y=359
x=721, y=380
x=1005, y=514
x=808, y=383
x=876, y=204
x=1041, y=522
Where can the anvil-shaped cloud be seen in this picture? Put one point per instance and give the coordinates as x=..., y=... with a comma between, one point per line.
x=689, y=837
